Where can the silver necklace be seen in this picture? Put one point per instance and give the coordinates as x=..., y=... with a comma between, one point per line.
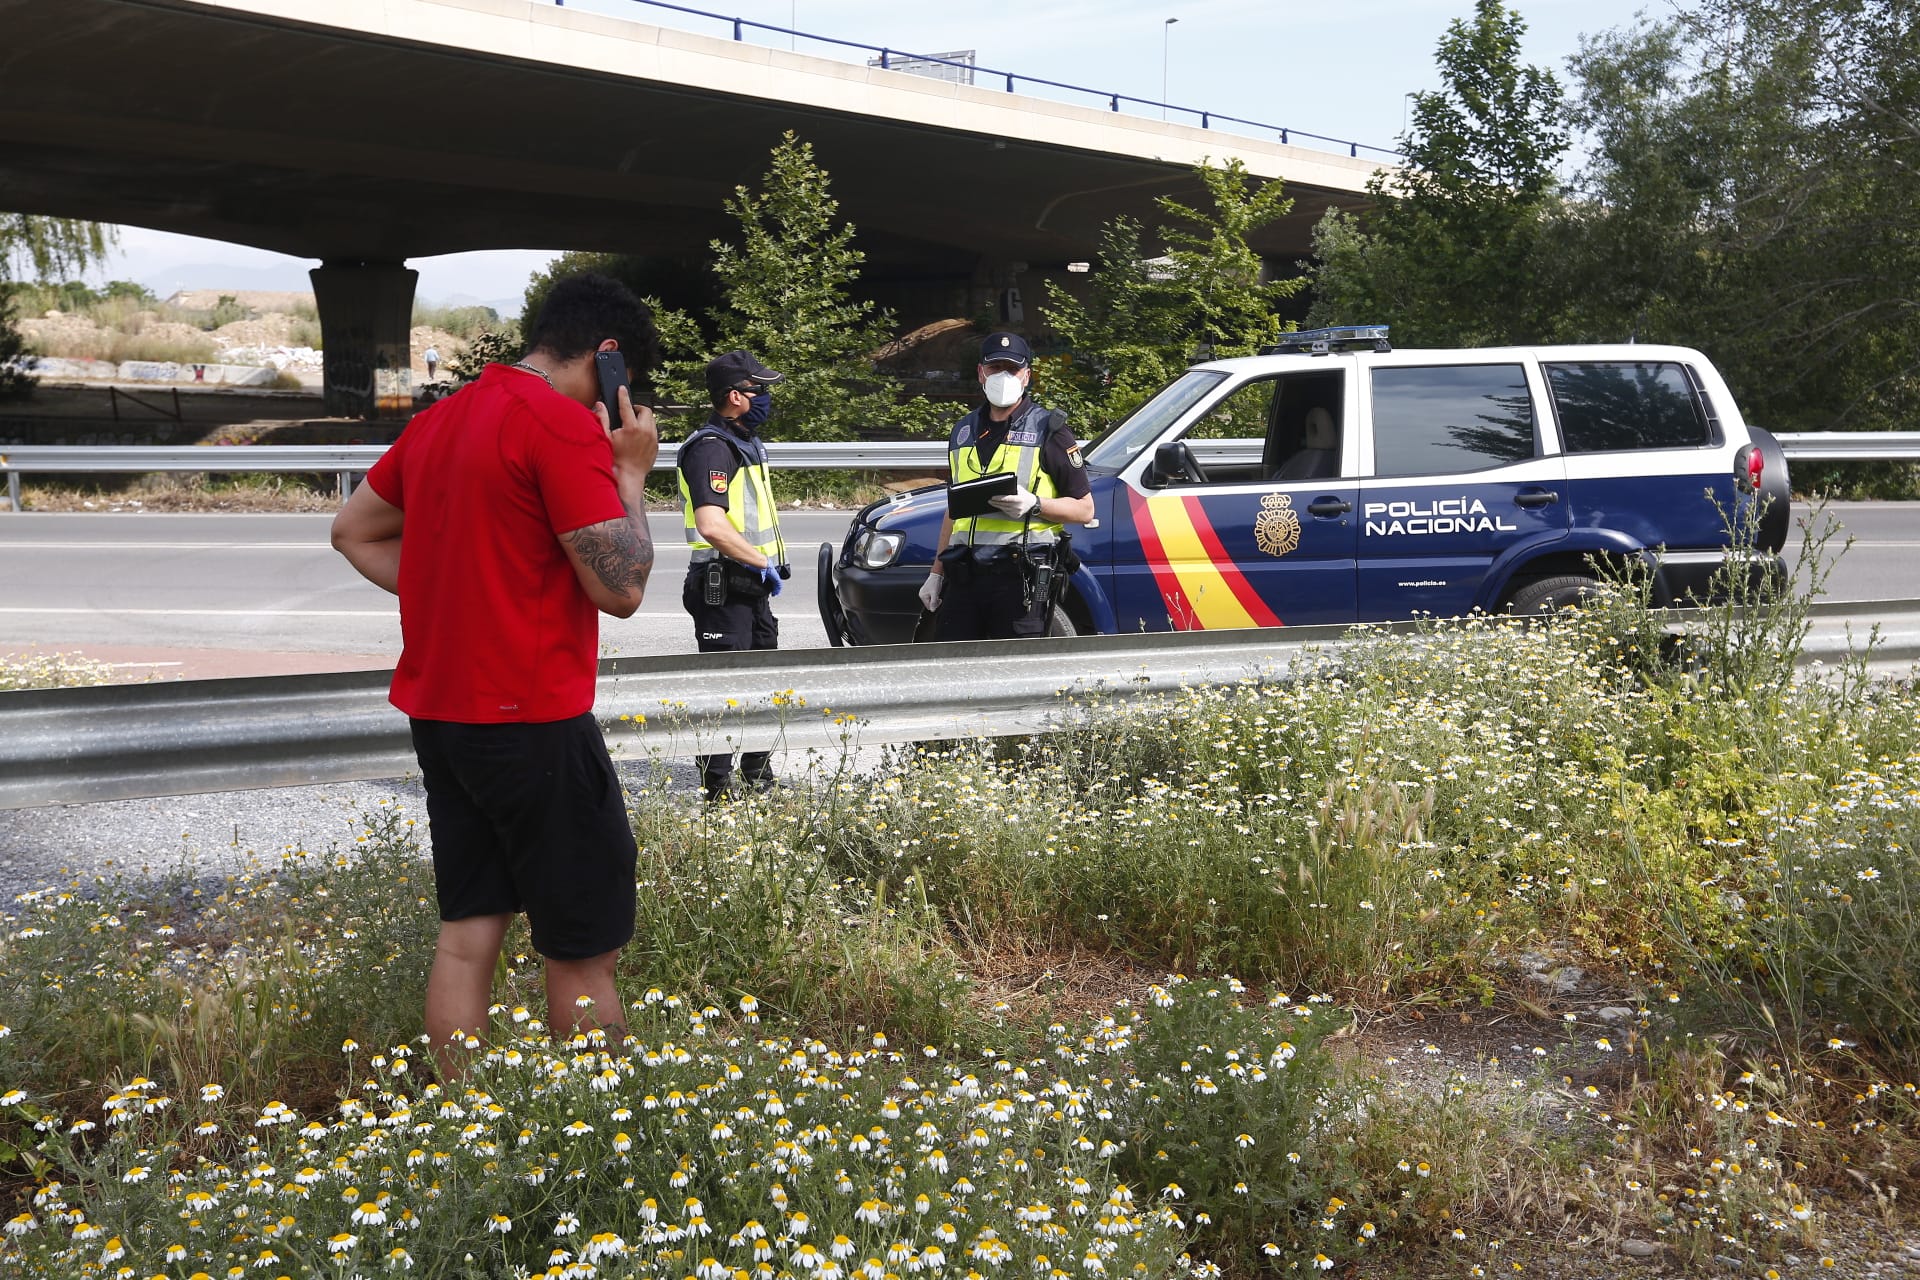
x=542, y=374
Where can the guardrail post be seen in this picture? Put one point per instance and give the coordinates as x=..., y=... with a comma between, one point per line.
x=1203, y=120
x=13, y=491
x=736, y=28
x=1113, y=103
x=1283, y=137
x=884, y=53
x=1009, y=82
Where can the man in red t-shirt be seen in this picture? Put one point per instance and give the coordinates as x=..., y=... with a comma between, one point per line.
x=507, y=517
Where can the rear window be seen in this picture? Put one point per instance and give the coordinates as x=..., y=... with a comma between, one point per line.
x=1608, y=405
x=1450, y=418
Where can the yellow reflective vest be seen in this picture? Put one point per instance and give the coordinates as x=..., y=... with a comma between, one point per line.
x=1019, y=453
x=749, y=494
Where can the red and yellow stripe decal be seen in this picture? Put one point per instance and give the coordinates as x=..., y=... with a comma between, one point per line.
x=1204, y=590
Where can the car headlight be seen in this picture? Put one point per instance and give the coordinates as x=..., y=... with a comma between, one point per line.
x=877, y=550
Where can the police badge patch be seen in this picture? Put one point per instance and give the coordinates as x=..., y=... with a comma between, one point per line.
x=1277, y=530
x=1073, y=457
x=717, y=481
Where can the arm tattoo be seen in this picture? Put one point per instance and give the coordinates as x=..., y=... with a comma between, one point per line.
x=620, y=552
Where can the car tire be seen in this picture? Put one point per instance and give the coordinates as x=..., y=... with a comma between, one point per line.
x=1543, y=597
x=1059, y=624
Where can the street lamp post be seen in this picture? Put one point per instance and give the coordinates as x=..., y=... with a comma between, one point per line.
x=1166, y=38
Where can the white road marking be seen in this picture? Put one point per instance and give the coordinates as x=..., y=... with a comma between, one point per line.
x=214, y=613
x=217, y=546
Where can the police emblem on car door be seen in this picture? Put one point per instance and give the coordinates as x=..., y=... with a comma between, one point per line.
x=1256, y=528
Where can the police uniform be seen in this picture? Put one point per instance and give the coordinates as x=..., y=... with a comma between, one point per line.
x=724, y=464
x=995, y=587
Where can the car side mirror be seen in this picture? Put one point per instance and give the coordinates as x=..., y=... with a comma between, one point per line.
x=1172, y=461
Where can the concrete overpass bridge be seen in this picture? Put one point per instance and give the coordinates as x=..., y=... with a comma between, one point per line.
x=366, y=132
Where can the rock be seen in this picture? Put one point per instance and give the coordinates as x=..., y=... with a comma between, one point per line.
x=1639, y=1248
x=1560, y=980
x=1615, y=1013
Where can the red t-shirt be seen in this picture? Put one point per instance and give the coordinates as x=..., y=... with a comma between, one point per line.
x=494, y=624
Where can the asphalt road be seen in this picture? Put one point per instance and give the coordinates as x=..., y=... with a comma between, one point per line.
x=272, y=584
x=123, y=585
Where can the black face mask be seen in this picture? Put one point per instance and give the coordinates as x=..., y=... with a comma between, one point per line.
x=759, y=409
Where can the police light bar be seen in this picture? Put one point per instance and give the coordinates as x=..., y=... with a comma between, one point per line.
x=1345, y=337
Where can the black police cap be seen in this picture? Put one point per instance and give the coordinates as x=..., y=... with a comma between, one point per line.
x=736, y=367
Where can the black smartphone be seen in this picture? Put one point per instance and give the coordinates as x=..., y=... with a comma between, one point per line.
x=612, y=368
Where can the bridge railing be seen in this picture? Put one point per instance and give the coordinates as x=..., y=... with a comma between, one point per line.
x=1013, y=79
x=926, y=456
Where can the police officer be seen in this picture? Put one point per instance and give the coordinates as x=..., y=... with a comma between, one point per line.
x=738, y=557
x=995, y=576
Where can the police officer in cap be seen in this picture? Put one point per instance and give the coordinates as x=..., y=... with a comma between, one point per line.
x=997, y=575
x=738, y=557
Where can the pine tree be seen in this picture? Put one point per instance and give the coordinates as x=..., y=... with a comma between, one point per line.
x=789, y=295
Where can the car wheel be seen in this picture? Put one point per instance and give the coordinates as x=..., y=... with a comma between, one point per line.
x=1545, y=596
x=1059, y=624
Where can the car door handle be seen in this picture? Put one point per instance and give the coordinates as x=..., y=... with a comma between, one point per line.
x=1536, y=498
x=1326, y=507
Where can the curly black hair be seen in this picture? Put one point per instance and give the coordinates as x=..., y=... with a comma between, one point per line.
x=581, y=311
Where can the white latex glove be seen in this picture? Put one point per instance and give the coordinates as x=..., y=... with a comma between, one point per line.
x=930, y=591
x=1016, y=504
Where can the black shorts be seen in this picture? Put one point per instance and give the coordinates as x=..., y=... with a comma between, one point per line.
x=529, y=817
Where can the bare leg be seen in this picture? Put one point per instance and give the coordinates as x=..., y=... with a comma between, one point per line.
x=568, y=980
x=460, y=988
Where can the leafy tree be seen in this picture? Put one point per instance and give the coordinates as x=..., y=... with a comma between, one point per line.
x=1753, y=173
x=1216, y=285
x=1145, y=318
x=789, y=296
x=490, y=346
x=1125, y=338
x=1453, y=251
x=35, y=247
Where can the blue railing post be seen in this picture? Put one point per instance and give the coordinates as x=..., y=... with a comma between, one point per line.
x=736, y=28
x=1283, y=137
x=1009, y=82
x=1354, y=151
x=1203, y=120
x=1114, y=102
x=883, y=61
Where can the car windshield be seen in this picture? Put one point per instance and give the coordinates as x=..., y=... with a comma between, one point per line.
x=1126, y=438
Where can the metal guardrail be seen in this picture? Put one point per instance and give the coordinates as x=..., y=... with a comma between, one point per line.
x=1851, y=446
x=68, y=746
x=902, y=455
x=347, y=461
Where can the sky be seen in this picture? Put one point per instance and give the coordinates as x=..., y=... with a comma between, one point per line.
x=1341, y=70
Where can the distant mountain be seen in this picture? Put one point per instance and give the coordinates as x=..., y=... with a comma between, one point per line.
x=225, y=277
x=506, y=308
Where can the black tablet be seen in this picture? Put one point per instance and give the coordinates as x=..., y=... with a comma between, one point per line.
x=974, y=497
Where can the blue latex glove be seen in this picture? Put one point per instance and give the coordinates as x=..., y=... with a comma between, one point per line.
x=771, y=577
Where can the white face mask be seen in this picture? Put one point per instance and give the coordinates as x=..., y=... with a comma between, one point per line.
x=1004, y=390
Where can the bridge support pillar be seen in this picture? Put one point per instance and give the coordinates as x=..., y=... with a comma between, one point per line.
x=366, y=312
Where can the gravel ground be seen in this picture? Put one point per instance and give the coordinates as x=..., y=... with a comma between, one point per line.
x=211, y=833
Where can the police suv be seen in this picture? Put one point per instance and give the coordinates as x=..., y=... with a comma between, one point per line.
x=1331, y=479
